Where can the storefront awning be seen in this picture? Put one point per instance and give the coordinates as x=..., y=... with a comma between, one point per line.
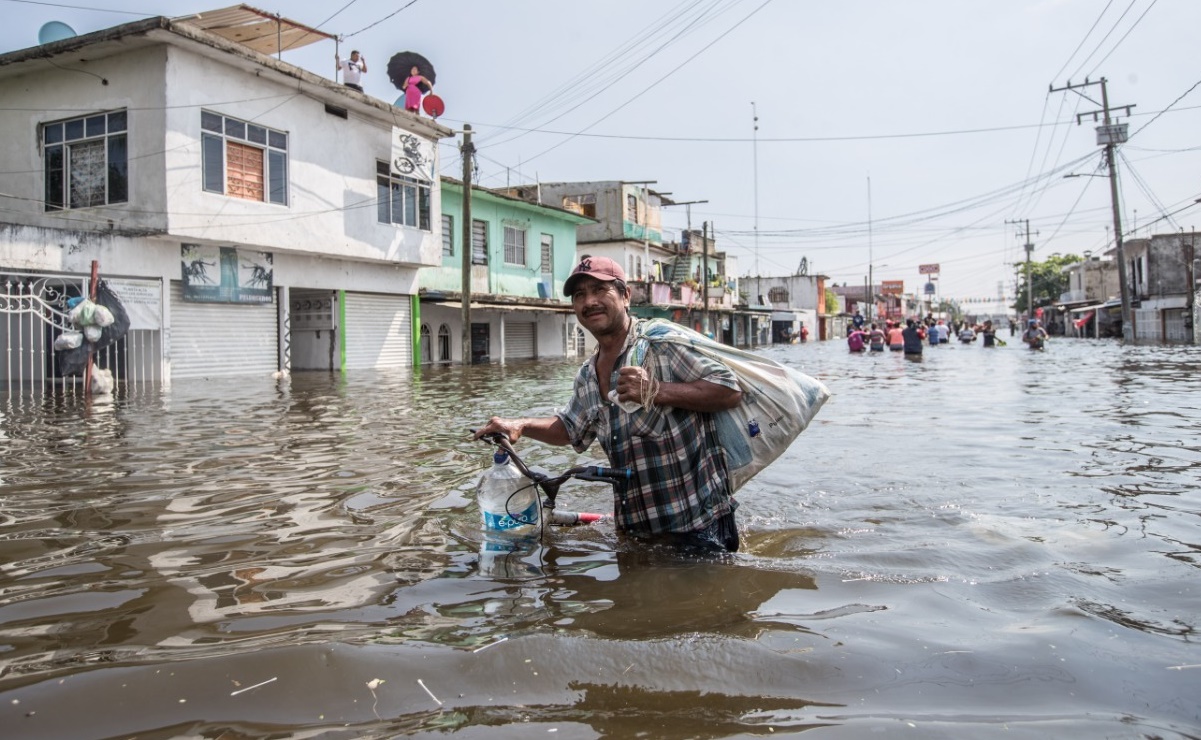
x=783, y=316
x=1080, y=322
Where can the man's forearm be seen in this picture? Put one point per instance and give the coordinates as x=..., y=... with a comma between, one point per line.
x=699, y=395
x=548, y=430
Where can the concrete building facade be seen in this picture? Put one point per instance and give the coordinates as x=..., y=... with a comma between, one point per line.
x=255, y=217
x=520, y=255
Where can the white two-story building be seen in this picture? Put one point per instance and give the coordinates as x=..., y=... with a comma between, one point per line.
x=252, y=216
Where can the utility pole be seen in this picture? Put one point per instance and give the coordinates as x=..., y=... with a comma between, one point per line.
x=755, y=158
x=1110, y=135
x=468, y=151
x=1029, y=282
x=870, y=259
x=705, y=278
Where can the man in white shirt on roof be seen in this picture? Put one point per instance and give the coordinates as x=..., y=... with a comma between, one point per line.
x=353, y=69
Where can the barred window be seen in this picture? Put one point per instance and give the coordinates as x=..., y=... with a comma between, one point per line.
x=514, y=246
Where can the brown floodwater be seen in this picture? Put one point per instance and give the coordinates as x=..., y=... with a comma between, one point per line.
x=985, y=543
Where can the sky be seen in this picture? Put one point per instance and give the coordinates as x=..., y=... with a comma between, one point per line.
x=891, y=134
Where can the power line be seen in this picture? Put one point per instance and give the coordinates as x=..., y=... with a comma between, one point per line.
x=1119, y=42
x=1165, y=110
x=1103, y=39
x=795, y=139
x=381, y=20
x=337, y=13
x=654, y=84
x=606, y=75
x=1144, y=187
x=84, y=7
x=1092, y=28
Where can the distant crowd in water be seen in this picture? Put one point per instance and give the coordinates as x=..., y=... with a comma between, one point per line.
x=915, y=333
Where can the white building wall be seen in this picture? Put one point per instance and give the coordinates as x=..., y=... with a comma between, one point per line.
x=44, y=94
x=327, y=238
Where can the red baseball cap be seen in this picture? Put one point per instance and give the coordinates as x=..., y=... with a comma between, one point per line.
x=601, y=268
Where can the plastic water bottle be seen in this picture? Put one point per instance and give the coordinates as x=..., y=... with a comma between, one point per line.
x=508, y=502
x=634, y=357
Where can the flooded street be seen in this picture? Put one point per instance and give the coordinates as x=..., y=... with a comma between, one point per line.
x=985, y=543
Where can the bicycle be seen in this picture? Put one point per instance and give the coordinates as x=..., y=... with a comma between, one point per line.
x=549, y=485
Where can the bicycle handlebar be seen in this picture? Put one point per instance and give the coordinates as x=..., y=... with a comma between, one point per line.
x=619, y=478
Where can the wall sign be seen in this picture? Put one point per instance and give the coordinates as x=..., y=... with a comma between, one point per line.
x=225, y=274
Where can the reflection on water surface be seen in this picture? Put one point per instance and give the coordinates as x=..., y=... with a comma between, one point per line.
x=969, y=544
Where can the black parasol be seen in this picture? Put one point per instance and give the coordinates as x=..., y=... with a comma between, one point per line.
x=401, y=65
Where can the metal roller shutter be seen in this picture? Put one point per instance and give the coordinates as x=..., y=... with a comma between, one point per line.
x=222, y=339
x=519, y=340
x=378, y=331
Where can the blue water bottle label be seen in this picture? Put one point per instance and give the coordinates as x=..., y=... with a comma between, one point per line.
x=501, y=522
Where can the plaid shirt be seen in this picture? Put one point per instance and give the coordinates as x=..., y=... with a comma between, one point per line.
x=680, y=483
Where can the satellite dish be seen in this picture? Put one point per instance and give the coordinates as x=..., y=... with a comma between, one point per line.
x=433, y=105
x=54, y=31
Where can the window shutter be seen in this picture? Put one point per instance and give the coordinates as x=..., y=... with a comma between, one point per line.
x=243, y=171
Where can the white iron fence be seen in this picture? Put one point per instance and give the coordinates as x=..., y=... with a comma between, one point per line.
x=33, y=312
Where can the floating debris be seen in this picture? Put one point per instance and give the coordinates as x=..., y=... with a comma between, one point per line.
x=485, y=647
x=422, y=685
x=248, y=688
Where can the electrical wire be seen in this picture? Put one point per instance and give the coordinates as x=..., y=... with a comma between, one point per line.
x=1119, y=41
x=381, y=20
x=1164, y=110
x=1145, y=188
x=780, y=139
x=1076, y=51
x=1068, y=215
x=1104, y=38
x=604, y=65
x=1038, y=137
x=1037, y=196
x=83, y=7
x=339, y=11
x=654, y=84
x=589, y=92
x=950, y=208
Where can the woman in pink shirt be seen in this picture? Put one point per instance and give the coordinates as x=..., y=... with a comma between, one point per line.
x=896, y=340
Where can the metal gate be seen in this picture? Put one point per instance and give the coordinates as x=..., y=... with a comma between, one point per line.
x=378, y=331
x=520, y=341
x=1174, y=329
x=222, y=339
x=33, y=312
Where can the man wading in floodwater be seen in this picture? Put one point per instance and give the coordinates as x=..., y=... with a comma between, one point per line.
x=680, y=492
